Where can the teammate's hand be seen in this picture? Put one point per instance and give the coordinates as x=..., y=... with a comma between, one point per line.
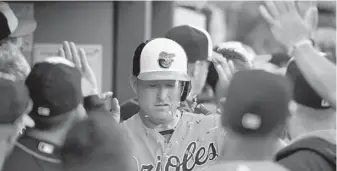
x=115, y=110
x=237, y=53
x=220, y=107
x=286, y=23
x=198, y=78
x=105, y=96
x=225, y=69
x=79, y=58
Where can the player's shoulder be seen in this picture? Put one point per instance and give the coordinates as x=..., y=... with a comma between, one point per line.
x=195, y=116
x=131, y=123
x=202, y=120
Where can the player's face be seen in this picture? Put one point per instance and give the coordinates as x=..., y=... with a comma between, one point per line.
x=159, y=99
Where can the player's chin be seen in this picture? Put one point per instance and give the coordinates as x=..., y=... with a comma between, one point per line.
x=163, y=117
x=164, y=120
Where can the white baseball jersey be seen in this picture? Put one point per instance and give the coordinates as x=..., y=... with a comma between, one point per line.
x=247, y=166
x=195, y=143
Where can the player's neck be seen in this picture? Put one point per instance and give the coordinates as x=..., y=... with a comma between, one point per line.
x=162, y=127
x=306, y=121
x=253, y=150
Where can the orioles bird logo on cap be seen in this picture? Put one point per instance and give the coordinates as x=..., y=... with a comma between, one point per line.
x=165, y=59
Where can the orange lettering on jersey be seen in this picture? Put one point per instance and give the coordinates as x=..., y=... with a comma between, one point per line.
x=190, y=159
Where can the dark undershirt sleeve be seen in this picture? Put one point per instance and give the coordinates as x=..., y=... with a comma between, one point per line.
x=306, y=161
x=94, y=105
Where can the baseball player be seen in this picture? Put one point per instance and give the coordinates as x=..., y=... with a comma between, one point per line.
x=163, y=137
x=197, y=44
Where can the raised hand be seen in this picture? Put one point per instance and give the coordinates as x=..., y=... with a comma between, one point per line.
x=225, y=69
x=198, y=77
x=116, y=110
x=89, y=83
x=287, y=24
x=79, y=58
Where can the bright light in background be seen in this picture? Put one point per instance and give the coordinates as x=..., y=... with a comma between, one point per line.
x=183, y=16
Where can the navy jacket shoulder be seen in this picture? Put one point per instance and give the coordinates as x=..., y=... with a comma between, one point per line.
x=309, y=154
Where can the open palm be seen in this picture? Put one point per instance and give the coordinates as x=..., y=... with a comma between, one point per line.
x=286, y=23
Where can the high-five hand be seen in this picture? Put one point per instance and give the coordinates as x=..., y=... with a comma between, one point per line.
x=89, y=83
x=286, y=23
x=79, y=58
x=225, y=69
x=115, y=110
x=198, y=77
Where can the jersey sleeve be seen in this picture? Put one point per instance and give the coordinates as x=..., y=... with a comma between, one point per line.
x=306, y=161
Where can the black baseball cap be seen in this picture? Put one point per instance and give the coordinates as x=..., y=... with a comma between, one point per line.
x=55, y=87
x=195, y=41
x=303, y=93
x=257, y=102
x=97, y=143
x=279, y=59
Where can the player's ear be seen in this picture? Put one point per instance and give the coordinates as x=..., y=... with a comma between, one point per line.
x=133, y=83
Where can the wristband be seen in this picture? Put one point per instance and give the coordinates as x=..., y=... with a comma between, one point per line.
x=298, y=44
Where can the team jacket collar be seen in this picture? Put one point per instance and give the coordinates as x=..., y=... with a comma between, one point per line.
x=41, y=149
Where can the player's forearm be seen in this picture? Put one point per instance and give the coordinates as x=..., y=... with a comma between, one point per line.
x=318, y=71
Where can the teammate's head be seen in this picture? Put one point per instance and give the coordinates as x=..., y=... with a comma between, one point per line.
x=12, y=31
x=257, y=104
x=255, y=113
x=13, y=27
x=14, y=106
x=55, y=88
x=194, y=40
x=309, y=111
x=198, y=46
x=97, y=143
x=159, y=73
